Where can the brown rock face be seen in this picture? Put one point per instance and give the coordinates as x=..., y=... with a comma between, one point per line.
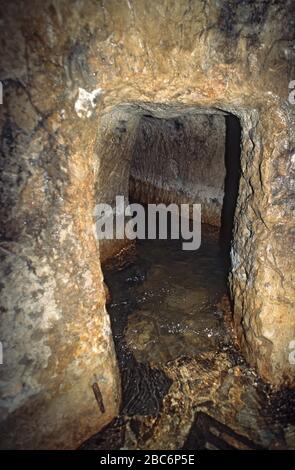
x=181, y=160
x=161, y=153
x=76, y=80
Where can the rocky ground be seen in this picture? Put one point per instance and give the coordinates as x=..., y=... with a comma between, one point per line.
x=213, y=401
x=206, y=397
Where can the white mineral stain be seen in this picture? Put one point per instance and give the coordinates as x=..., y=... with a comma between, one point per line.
x=86, y=102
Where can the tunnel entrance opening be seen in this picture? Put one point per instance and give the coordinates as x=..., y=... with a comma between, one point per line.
x=163, y=168
x=178, y=365
x=172, y=164
x=166, y=302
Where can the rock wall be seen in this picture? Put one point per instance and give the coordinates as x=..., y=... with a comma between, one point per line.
x=176, y=154
x=114, y=146
x=181, y=160
x=65, y=66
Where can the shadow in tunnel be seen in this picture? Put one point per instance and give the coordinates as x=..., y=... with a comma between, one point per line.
x=231, y=183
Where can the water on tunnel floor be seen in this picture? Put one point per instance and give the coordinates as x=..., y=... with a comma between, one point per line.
x=172, y=298
x=184, y=384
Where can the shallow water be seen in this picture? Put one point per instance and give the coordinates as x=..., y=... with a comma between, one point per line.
x=184, y=385
x=173, y=296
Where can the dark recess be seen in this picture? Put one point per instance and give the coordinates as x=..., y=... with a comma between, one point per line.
x=231, y=183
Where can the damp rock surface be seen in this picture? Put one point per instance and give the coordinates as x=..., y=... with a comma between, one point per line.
x=74, y=76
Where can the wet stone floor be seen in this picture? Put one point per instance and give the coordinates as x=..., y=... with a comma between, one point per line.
x=184, y=384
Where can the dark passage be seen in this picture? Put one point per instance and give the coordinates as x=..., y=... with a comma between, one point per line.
x=164, y=305
x=231, y=183
x=165, y=302
x=184, y=384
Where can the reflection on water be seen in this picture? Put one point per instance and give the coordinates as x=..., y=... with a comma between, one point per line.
x=184, y=385
x=170, y=297
x=176, y=312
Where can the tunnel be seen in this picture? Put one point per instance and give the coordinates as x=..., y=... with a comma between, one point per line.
x=173, y=154
x=136, y=343
x=165, y=302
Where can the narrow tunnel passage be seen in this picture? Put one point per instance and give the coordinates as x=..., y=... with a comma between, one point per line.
x=231, y=183
x=169, y=308
x=193, y=159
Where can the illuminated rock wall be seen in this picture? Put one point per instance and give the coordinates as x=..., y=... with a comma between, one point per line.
x=64, y=67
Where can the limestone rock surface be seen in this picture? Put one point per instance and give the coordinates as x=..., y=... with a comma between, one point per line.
x=57, y=160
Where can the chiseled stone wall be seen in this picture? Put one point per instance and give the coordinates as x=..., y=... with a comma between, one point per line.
x=181, y=160
x=161, y=153
x=64, y=67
